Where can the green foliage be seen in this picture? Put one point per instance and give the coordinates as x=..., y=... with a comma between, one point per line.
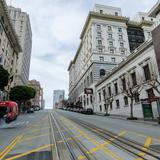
x=22, y=93
x=4, y=78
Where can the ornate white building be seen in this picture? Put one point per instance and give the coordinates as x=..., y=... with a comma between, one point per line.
x=107, y=39
x=139, y=73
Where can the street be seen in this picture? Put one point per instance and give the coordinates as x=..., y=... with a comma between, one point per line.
x=68, y=135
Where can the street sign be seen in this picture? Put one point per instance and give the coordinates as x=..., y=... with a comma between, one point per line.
x=88, y=91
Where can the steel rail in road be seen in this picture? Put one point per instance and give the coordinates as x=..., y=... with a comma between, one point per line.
x=68, y=147
x=130, y=146
x=85, y=152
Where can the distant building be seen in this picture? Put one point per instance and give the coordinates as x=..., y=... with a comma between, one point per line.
x=38, y=100
x=58, y=96
x=9, y=45
x=21, y=23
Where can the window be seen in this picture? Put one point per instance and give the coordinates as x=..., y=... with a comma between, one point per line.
x=105, y=107
x=116, y=13
x=123, y=83
x=117, y=103
x=109, y=28
x=125, y=100
x=136, y=98
x=116, y=88
x=149, y=34
x=99, y=42
x=110, y=36
x=99, y=96
x=101, y=11
x=87, y=80
x=120, y=37
x=122, y=51
x=113, y=59
x=87, y=101
x=109, y=90
x=102, y=73
x=150, y=93
x=91, y=99
x=142, y=18
x=151, y=19
x=84, y=83
x=100, y=108
x=147, y=72
x=119, y=29
x=121, y=44
x=98, y=27
x=100, y=50
x=101, y=59
x=1, y=29
x=111, y=107
x=112, y=50
x=134, y=80
x=104, y=93
x=91, y=77
x=110, y=43
x=1, y=60
x=99, y=34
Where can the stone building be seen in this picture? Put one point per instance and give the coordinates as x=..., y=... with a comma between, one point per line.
x=9, y=45
x=107, y=39
x=21, y=23
x=38, y=100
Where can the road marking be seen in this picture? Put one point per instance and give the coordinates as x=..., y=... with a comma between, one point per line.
x=107, y=142
x=34, y=137
x=36, y=130
x=31, y=151
x=142, y=135
x=93, y=141
x=10, y=147
x=145, y=148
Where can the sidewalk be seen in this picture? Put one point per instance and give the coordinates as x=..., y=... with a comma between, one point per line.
x=140, y=120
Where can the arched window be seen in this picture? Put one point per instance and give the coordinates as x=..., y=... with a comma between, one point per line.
x=102, y=73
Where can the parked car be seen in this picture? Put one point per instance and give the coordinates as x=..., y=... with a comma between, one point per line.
x=8, y=110
x=89, y=111
x=30, y=110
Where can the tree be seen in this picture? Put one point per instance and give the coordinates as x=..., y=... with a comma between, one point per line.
x=154, y=82
x=131, y=91
x=22, y=94
x=108, y=101
x=4, y=78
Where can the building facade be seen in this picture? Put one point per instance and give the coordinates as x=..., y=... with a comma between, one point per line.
x=138, y=77
x=38, y=99
x=58, y=96
x=21, y=23
x=107, y=39
x=9, y=45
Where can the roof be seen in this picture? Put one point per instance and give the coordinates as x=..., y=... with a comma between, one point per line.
x=10, y=31
x=154, y=10
x=103, y=17
x=133, y=55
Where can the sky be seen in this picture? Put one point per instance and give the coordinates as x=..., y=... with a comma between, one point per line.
x=56, y=27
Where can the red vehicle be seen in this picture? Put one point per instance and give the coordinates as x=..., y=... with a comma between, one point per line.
x=8, y=110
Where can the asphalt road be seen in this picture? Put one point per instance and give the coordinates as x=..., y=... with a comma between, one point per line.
x=26, y=138
x=64, y=135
